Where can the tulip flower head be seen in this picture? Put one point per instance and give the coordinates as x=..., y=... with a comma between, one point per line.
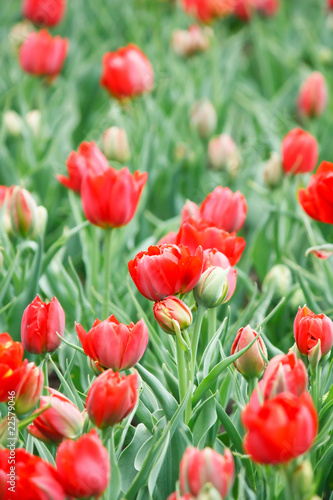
x=203, y=118
x=251, y=363
x=317, y=199
x=41, y=322
x=83, y=466
x=309, y=328
x=114, y=345
x=171, y=310
x=188, y=42
x=299, y=152
x=115, y=144
x=45, y=12
x=313, y=95
x=43, y=55
x=29, y=389
x=12, y=366
x=127, y=73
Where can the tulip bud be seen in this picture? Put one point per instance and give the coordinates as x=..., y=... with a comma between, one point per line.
x=115, y=144
x=111, y=398
x=18, y=33
x=309, y=329
x=199, y=468
x=41, y=221
x=13, y=123
x=186, y=43
x=23, y=212
x=203, y=118
x=214, y=258
x=312, y=98
x=223, y=153
x=297, y=298
x=29, y=390
x=302, y=480
x=8, y=430
x=314, y=356
x=172, y=310
x=250, y=364
x=62, y=420
x=273, y=170
x=299, y=152
x=279, y=279
x=212, y=289
x=33, y=120
x=208, y=492
x=40, y=324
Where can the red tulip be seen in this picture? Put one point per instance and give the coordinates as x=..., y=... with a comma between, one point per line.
x=88, y=159
x=312, y=98
x=114, y=345
x=214, y=258
x=299, y=152
x=43, y=55
x=330, y=4
x=111, y=398
x=268, y=7
x=192, y=234
x=110, y=199
x=309, y=328
x=166, y=270
x=198, y=468
x=29, y=389
x=83, y=466
x=171, y=310
x=30, y=477
x=62, y=420
x=127, y=72
x=40, y=324
x=280, y=429
x=224, y=209
x=317, y=199
x=23, y=212
x=12, y=367
x=207, y=10
x=284, y=373
x=47, y=12
x=251, y=363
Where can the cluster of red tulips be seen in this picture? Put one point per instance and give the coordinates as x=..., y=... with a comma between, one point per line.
x=187, y=275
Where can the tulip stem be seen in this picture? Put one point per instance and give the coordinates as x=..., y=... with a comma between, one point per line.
x=46, y=376
x=107, y=271
x=195, y=337
x=180, y=367
x=315, y=386
x=211, y=313
x=251, y=385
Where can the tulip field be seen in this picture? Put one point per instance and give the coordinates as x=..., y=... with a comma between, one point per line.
x=166, y=241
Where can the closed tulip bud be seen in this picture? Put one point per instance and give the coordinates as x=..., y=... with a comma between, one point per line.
x=223, y=153
x=29, y=390
x=299, y=152
x=309, y=329
x=60, y=421
x=33, y=120
x=83, y=466
x=111, y=398
x=198, y=468
x=279, y=279
x=114, y=345
x=273, y=171
x=208, y=492
x=203, y=118
x=13, y=123
x=312, y=98
x=23, y=212
x=297, y=298
x=18, y=33
x=252, y=363
x=115, y=144
x=303, y=480
x=171, y=310
x=41, y=220
x=40, y=324
x=213, y=286
x=188, y=42
x=214, y=258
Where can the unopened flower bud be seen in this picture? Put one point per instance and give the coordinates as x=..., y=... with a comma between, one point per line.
x=29, y=390
x=18, y=33
x=314, y=356
x=186, y=43
x=208, y=492
x=33, y=120
x=252, y=363
x=13, y=123
x=302, y=480
x=213, y=286
x=273, y=170
x=297, y=298
x=115, y=144
x=171, y=310
x=203, y=118
x=41, y=221
x=23, y=212
x=312, y=97
x=279, y=278
x=223, y=153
